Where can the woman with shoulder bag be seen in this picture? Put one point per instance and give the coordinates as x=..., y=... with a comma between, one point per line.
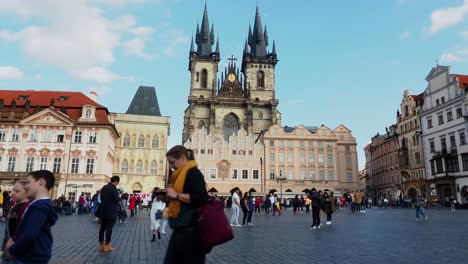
x=156, y=215
x=186, y=193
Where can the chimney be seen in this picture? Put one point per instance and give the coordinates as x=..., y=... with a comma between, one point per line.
x=93, y=95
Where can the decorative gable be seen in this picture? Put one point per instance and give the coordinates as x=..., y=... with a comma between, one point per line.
x=435, y=71
x=48, y=117
x=88, y=113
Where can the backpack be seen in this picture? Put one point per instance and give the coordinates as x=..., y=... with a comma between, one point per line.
x=213, y=225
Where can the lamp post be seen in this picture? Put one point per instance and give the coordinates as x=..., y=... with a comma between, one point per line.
x=280, y=179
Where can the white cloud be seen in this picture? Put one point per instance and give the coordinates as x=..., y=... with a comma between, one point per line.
x=81, y=41
x=464, y=34
x=10, y=73
x=445, y=17
x=175, y=38
x=454, y=56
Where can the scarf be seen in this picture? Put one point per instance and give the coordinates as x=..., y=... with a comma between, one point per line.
x=177, y=182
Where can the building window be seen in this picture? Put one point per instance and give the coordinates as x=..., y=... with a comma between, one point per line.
x=124, y=167
x=272, y=143
x=57, y=164
x=443, y=144
x=281, y=172
x=417, y=157
x=349, y=163
x=11, y=164
x=321, y=175
x=432, y=146
x=442, y=99
x=291, y=174
x=231, y=125
x=272, y=156
x=302, y=144
x=330, y=176
x=311, y=159
x=320, y=158
x=29, y=164
x=311, y=175
x=155, y=143
x=43, y=164
x=290, y=143
x=204, y=78
x=432, y=167
x=139, y=167
x=347, y=149
x=92, y=137
x=320, y=144
x=349, y=176
x=47, y=135
x=15, y=135
x=462, y=138
x=234, y=174
x=439, y=166
x=449, y=116
x=126, y=141
x=281, y=157
x=141, y=141
x=255, y=174
x=75, y=165
x=154, y=167
x=281, y=143
x=437, y=102
x=302, y=158
x=272, y=174
x=89, y=166
x=60, y=136
x=77, y=137
x=459, y=112
x=329, y=145
x=2, y=135
x=311, y=144
x=260, y=79
x=290, y=157
x=452, y=164
x=441, y=119
x=429, y=123
x=465, y=161
x=245, y=174
x=212, y=173
x=303, y=174
x=330, y=159
x=453, y=143
x=33, y=135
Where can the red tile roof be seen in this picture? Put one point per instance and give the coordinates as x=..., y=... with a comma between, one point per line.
x=462, y=80
x=419, y=99
x=73, y=102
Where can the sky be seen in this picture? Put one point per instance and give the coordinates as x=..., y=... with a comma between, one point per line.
x=340, y=62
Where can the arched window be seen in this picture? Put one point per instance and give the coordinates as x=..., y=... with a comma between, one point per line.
x=155, y=143
x=154, y=167
x=201, y=124
x=139, y=167
x=230, y=125
x=124, y=168
x=204, y=78
x=261, y=79
x=406, y=110
x=126, y=141
x=141, y=141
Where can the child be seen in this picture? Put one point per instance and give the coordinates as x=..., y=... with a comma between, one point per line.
x=33, y=242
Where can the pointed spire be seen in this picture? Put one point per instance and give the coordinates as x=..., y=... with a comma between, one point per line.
x=217, y=46
x=197, y=34
x=246, y=48
x=249, y=37
x=274, y=48
x=192, y=50
x=212, y=37
x=205, y=38
x=265, y=35
x=257, y=42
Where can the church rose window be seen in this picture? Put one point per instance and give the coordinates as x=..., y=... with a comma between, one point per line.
x=231, y=125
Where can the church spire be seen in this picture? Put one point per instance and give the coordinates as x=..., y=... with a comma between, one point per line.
x=274, y=48
x=258, y=43
x=217, y=47
x=192, y=50
x=205, y=38
x=246, y=47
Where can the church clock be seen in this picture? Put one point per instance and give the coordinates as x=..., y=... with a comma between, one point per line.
x=231, y=77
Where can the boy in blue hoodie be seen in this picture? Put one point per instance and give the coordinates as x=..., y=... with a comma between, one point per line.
x=33, y=242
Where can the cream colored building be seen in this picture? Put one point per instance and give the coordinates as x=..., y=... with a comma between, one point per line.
x=141, y=151
x=228, y=164
x=310, y=157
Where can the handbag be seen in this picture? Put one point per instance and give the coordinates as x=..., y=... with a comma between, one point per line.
x=213, y=225
x=159, y=215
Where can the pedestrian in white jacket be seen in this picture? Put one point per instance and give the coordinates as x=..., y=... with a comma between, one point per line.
x=156, y=206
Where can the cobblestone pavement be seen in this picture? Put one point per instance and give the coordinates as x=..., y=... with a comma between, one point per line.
x=379, y=236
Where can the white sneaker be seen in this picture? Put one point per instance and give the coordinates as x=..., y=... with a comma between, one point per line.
x=313, y=227
x=233, y=225
x=320, y=226
x=328, y=223
x=238, y=225
x=364, y=212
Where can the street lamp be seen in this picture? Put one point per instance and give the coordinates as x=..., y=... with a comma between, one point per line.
x=280, y=179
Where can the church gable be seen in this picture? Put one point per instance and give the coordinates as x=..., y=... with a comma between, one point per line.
x=48, y=117
x=341, y=129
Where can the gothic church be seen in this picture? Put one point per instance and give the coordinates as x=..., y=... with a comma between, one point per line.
x=242, y=97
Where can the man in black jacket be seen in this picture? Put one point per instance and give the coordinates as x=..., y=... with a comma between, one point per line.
x=316, y=202
x=108, y=211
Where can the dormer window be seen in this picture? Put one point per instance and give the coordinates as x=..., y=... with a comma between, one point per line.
x=23, y=97
x=88, y=113
x=63, y=98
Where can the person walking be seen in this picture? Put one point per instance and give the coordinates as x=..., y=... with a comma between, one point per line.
x=132, y=205
x=108, y=211
x=295, y=204
x=329, y=205
x=235, y=207
x=186, y=193
x=418, y=203
x=315, y=201
x=156, y=206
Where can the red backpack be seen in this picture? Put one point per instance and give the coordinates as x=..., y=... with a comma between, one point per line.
x=213, y=225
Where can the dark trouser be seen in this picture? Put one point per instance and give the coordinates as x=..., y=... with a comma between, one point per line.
x=267, y=209
x=307, y=208
x=106, y=226
x=246, y=213
x=315, y=215
x=329, y=214
x=184, y=247
x=249, y=218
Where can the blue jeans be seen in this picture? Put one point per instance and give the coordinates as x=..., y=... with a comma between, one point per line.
x=348, y=206
x=420, y=210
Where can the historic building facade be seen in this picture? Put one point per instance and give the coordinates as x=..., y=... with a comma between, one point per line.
x=444, y=132
x=242, y=97
x=141, y=151
x=385, y=179
x=410, y=152
x=64, y=132
x=306, y=157
x=236, y=162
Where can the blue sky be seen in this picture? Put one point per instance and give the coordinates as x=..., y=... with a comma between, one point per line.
x=341, y=62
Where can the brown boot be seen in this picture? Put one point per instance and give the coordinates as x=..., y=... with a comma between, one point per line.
x=101, y=247
x=108, y=248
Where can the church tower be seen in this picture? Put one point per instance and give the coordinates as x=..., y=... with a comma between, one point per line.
x=203, y=67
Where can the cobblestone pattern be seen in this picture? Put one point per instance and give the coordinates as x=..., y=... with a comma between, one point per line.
x=379, y=236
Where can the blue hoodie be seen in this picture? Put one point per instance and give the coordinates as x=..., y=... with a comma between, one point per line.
x=33, y=243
